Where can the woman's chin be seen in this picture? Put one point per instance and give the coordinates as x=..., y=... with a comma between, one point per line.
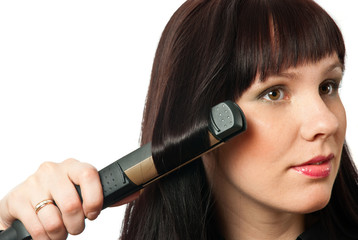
x=315, y=204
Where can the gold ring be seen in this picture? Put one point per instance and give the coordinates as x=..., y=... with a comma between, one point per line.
x=42, y=204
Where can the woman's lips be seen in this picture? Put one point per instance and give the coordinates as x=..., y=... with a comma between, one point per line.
x=318, y=167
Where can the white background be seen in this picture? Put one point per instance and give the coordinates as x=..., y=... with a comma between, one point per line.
x=73, y=80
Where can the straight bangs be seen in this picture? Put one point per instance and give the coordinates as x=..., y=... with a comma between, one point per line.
x=277, y=34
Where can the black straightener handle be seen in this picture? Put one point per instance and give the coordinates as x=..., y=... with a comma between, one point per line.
x=137, y=169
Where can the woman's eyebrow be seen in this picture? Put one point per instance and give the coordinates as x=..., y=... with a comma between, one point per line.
x=294, y=75
x=334, y=67
x=290, y=74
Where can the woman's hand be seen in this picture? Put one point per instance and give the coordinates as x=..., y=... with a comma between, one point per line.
x=54, y=181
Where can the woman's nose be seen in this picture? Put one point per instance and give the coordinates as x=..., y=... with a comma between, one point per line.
x=318, y=120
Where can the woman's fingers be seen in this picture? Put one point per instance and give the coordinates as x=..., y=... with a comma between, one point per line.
x=33, y=224
x=51, y=221
x=70, y=206
x=16, y=206
x=54, y=181
x=91, y=188
x=56, y=185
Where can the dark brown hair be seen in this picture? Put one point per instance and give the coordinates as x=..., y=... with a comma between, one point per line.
x=211, y=51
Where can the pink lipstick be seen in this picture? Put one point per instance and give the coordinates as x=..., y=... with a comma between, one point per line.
x=318, y=167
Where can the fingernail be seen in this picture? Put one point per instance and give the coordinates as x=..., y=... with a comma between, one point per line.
x=92, y=215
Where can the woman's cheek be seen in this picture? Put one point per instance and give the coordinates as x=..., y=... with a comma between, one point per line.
x=259, y=143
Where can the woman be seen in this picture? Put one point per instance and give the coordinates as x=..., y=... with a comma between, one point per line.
x=282, y=61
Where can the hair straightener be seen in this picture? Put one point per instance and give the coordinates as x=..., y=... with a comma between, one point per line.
x=137, y=169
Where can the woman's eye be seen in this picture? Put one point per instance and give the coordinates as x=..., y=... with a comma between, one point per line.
x=328, y=88
x=274, y=95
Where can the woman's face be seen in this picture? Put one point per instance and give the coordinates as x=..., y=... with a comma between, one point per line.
x=288, y=158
